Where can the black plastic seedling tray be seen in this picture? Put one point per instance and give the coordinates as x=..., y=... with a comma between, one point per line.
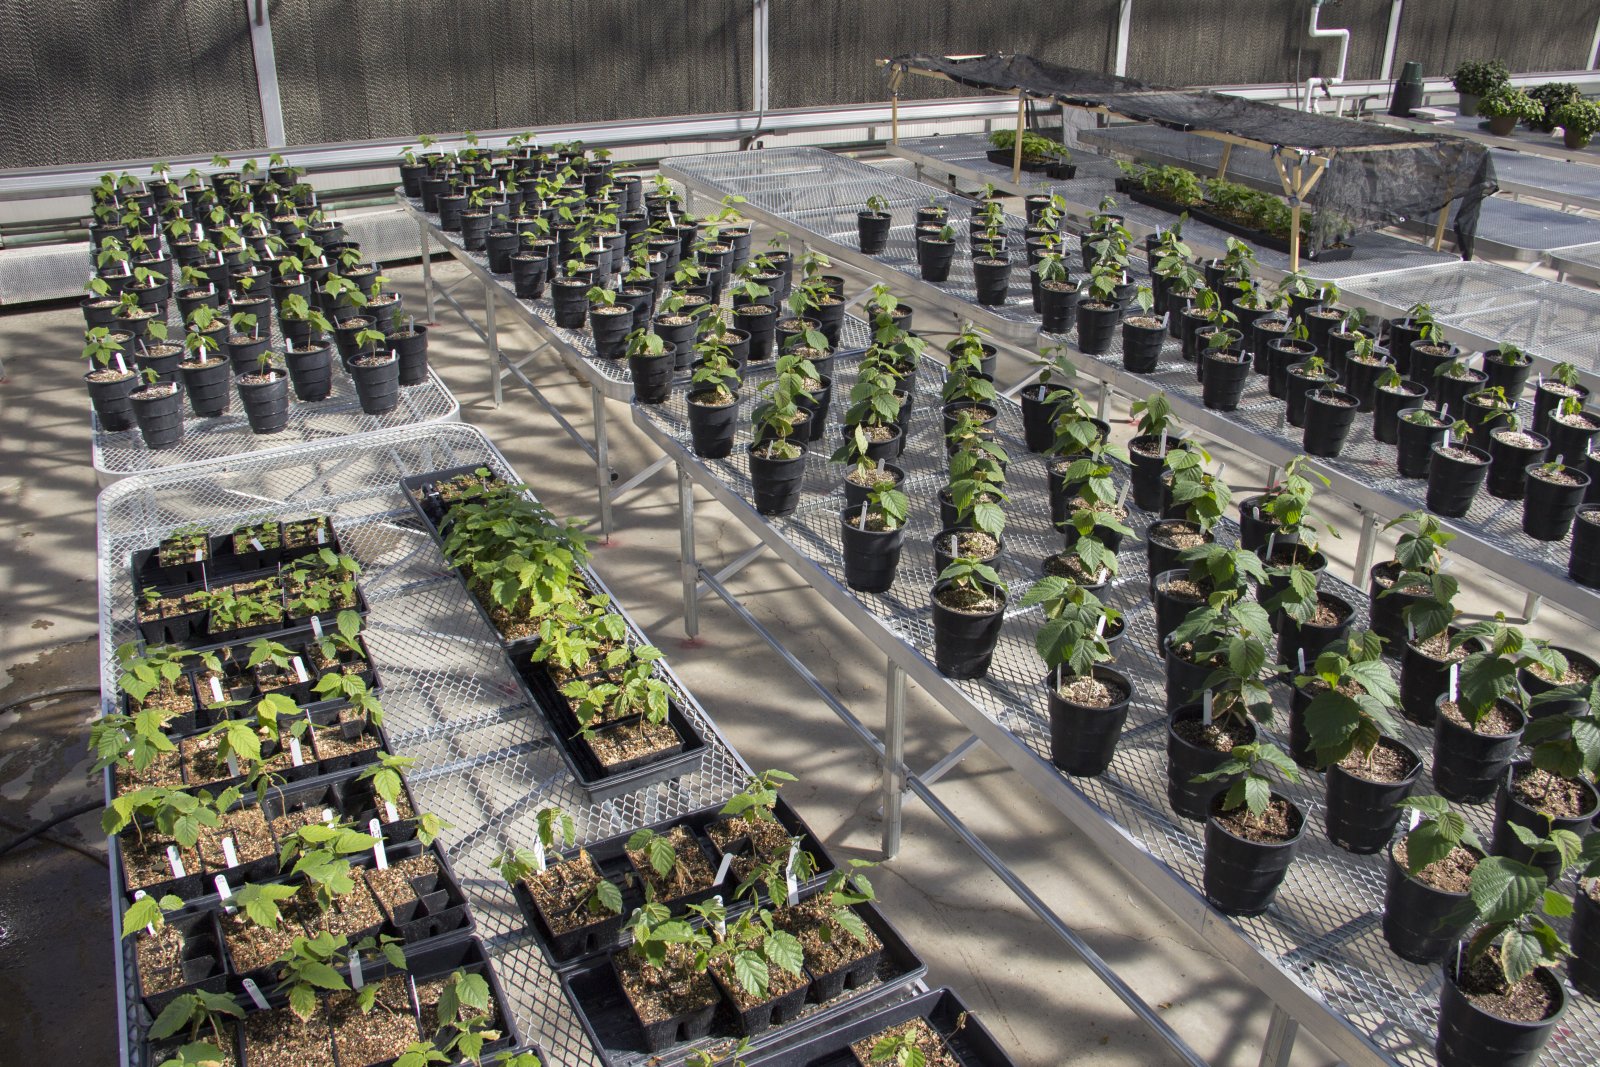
x=966, y=1038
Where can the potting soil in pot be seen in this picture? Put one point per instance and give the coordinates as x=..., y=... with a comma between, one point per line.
x=917, y=1033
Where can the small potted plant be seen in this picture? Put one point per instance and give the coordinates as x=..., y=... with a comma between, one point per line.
x=1456, y=471
x=1475, y=79
x=1088, y=700
x=650, y=364
x=1555, y=789
x=1481, y=710
x=873, y=535
x=1098, y=309
x=1251, y=831
x=935, y=253
x=109, y=379
x=1143, y=334
x=158, y=409
x=713, y=400
x=1505, y=106
x=1429, y=874
x=872, y=225
x=969, y=602
x=207, y=376
x=777, y=455
x=991, y=265
x=376, y=372
x=1554, y=491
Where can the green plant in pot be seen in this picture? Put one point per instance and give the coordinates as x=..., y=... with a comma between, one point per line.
x=1350, y=725
x=1429, y=872
x=1251, y=831
x=777, y=458
x=1475, y=79
x=1088, y=700
x=1578, y=119
x=873, y=535
x=1556, y=787
x=1505, y=107
x=713, y=401
x=969, y=601
x=1500, y=992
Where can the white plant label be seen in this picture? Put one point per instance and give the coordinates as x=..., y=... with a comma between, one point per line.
x=322, y=534
x=722, y=868
x=1416, y=819
x=788, y=874
x=224, y=890
x=1272, y=540
x=255, y=543
x=1220, y=468
x=327, y=815
x=389, y=810
x=150, y=928
x=1411, y=631
x=1300, y=654
x=539, y=862
x=1447, y=437
x=316, y=627
x=1163, y=447
x=296, y=756
x=228, y=852
x=300, y=668
x=378, y=852
x=254, y=992
x=1455, y=681
x=721, y=923
x=1205, y=708
x=199, y=555
x=233, y=765
x=357, y=980
x=1122, y=497
x=122, y=368
x=174, y=861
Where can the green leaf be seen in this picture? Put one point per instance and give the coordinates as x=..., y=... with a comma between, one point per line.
x=783, y=949
x=1503, y=890
x=609, y=896
x=303, y=1002
x=1257, y=794
x=751, y=971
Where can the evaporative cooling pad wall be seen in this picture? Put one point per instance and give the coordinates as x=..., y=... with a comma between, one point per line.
x=83, y=81
x=352, y=72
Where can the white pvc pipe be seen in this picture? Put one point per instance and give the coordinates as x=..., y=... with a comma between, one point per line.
x=1393, y=39
x=1344, y=54
x=1124, y=26
x=1594, y=48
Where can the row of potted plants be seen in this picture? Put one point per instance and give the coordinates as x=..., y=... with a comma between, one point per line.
x=230, y=253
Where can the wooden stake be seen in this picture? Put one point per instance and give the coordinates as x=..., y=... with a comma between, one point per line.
x=1227, y=154
x=1016, y=149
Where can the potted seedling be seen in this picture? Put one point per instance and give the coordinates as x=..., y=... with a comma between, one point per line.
x=1481, y=710
x=1555, y=789
x=1475, y=79
x=1505, y=106
x=309, y=358
x=969, y=602
x=873, y=535
x=935, y=253
x=1251, y=831
x=1572, y=431
x=1196, y=500
x=650, y=364
x=713, y=401
x=158, y=409
x=1143, y=334
x=777, y=457
x=1500, y=992
x=575, y=908
x=375, y=371
x=109, y=379
x=1088, y=700
x=1429, y=872
x=1058, y=294
x=663, y=977
x=265, y=393
x=1040, y=400
x=872, y=226
x=1098, y=310
x=1456, y=471
x=1226, y=370
x=759, y=967
x=206, y=375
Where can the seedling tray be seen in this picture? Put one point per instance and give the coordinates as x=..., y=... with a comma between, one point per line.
x=611, y=859
x=441, y=959
x=966, y=1038
x=614, y=1031
x=602, y=783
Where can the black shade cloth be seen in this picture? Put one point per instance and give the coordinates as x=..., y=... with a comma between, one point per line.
x=1376, y=176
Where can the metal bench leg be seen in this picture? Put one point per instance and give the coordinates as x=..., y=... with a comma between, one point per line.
x=688, y=564
x=1281, y=1032
x=894, y=766
x=492, y=339
x=427, y=267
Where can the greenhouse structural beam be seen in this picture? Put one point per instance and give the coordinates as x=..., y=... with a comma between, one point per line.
x=266, y=72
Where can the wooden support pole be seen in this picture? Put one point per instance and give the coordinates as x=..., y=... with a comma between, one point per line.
x=1222, y=167
x=1294, y=216
x=1438, y=231
x=1016, y=149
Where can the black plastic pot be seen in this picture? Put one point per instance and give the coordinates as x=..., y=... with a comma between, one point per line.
x=1415, y=442
x=1241, y=877
x=110, y=400
x=1259, y=338
x=1509, y=463
x=1547, y=397
x=991, y=277
x=1283, y=353
x=1418, y=920
x=870, y=556
x=1255, y=525
x=934, y=258
x=1361, y=379
x=712, y=429
x=872, y=230
x=1570, y=443
x=1147, y=469
x=776, y=482
x=377, y=381
x=1509, y=811
x=1453, y=482
x=1583, y=970
x=411, y=349
x=943, y=553
x=1312, y=638
x=1362, y=814
x=760, y=321
x=158, y=409
x=1583, y=565
x=210, y=387
x=1549, y=507
x=1425, y=365
x=1387, y=404
x=963, y=642
x=1453, y=392
x=1161, y=558
x=856, y=495
x=1386, y=608
x=1467, y=766
x=1038, y=417
x=1226, y=372
x=652, y=376
x=1185, y=679
x=1535, y=686
x=610, y=326
x=1141, y=346
x=311, y=371
x=266, y=404
x=1186, y=761
x=1472, y=1037
x=528, y=274
x=1329, y=414
x=1083, y=739
x=570, y=301
x=1298, y=382
x=1097, y=325
x=1422, y=679
x=1512, y=377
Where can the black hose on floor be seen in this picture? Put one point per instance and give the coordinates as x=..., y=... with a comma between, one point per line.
x=83, y=809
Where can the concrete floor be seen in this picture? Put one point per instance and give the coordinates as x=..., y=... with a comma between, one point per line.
x=1040, y=1002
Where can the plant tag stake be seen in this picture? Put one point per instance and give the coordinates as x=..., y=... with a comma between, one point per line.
x=295, y=755
x=174, y=861
x=228, y=852
x=122, y=368
x=1163, y=448
x=1100, y=627
x=788, y=874
x=389, y=809
x=1455, y=681
x=224, y=890
x=233, y=765
x=322, y=534
x=1205, y=708
x=1416, y=819
x=377, y=846
x=316, y=628
x=538, y=855
x=199, y=557
x=1447, y=437
x=327, y=815
x=722, y=868
x=300, y=668
x=150, y=928
x=255, y=543
x=357, y=980
x=1300, y=653
x=254, y=991
x=1272, y=540
x=721, y=923
x=1411, y=631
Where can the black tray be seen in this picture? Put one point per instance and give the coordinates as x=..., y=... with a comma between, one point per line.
x=435, y=960
x=601, y=784
x=972, y=1044
x=1258, y=237
x=610, y=857
x=594, y=992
